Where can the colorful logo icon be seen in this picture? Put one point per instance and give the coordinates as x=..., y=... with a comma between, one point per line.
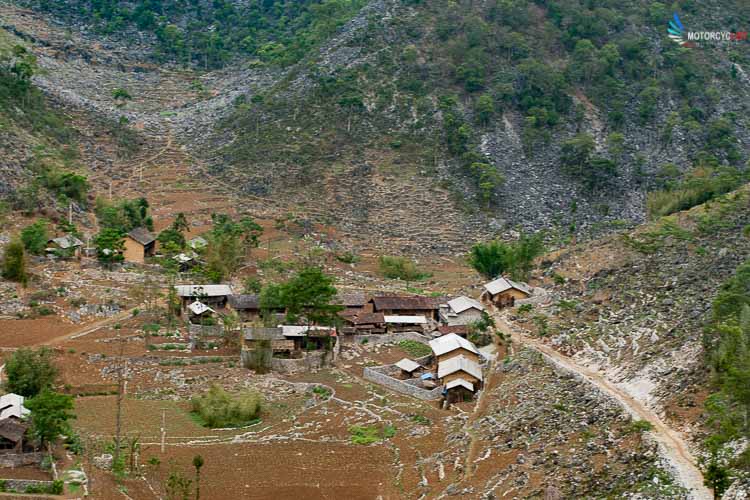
x=677, y=31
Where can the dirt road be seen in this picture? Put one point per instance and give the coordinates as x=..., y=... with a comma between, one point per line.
x=671, y=445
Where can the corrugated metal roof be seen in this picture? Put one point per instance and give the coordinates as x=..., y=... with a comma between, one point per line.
x=459, y=382
x=203, y=290
x=301, y=331
x=199, y=308
x=462, y=303
x=406, y=320
x=11, y=405
x=262, y=333
x=408, y=365
x=142, y=235
x=459, y=363
x=502, y=284
x=67, y=241
x=451, y=342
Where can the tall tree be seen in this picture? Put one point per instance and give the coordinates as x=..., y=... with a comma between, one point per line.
x=28, y=371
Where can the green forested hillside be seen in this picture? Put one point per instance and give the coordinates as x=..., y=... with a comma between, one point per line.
x=210, y=34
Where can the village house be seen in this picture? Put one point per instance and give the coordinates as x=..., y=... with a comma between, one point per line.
x=139, y=244
x=461, y=311
x=395, y=305
x=213, y=296
x=458, y=368
x=185, y=261
x=247, y=306
x=504, y=292
x=65, y=246
x=363, y=323
x=450, y=346
x=353, y=301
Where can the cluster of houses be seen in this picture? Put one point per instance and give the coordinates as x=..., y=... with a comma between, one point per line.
x=366, y=312
x=138, y=245
x=455, y=365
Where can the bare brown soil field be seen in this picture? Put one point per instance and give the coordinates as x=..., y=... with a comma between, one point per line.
x=280, y=470
x=29, y=332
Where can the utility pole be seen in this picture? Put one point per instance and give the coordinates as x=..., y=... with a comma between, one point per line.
x=163, y=429
x=70, y=213
x=120, y=394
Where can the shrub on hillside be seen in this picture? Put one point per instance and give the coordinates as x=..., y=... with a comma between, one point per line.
x=401, y=268
x=218, y=408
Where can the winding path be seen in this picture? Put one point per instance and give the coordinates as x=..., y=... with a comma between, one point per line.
x=671, y=445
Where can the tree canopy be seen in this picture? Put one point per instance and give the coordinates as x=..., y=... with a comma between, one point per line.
x=28, y=371
x=306, y=295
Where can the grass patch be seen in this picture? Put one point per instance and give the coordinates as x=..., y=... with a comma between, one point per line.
x=366, y=434
x=414, y=348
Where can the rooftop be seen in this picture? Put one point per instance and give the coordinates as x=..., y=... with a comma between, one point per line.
x=460, y=382
x=459, y=364
x=203, y=290
x=502, y=284
x=451, y=342
x=245, y=301
x=408, y=365
x=11, y=405
x=462, y=303
x=199, y=308
x=404, y=303
x=67, y=241
x=405, y=320
x=142, y=235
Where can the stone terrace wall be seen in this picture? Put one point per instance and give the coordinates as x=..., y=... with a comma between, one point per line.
x=20, y=459
x=382, y=375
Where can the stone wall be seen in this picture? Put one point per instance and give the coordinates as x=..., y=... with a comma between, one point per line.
x=313, y=360
x=382, y=375
x=205, y=330
x=20, y=459
x=20, y=485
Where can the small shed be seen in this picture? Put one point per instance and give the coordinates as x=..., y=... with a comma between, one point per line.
x=12, y=432
x=199, y=311
x=461, y=311
x=363, y=323
x=504, y=292
x=65, y=246
x=185, y=261
x=408, y=367
x=139, y=244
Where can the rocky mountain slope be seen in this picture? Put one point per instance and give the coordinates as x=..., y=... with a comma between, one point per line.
x=424, y=121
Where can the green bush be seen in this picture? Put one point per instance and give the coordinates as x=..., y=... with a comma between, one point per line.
x=401, y=268
x=365, y=435
x=218, y=408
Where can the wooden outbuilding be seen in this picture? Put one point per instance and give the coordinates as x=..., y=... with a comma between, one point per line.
x=12, y=432
x=460, y=367
x=247, y=306
x=504, y=292
x=139, y=244
x=65, y=246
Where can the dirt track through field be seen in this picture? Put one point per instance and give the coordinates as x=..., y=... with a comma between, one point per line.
x=671, y=445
